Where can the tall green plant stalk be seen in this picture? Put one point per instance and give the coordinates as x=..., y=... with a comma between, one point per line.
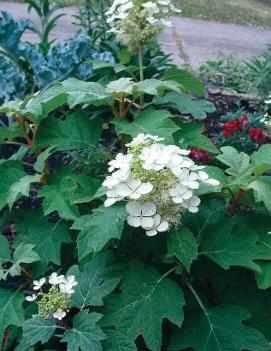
x=141, y=70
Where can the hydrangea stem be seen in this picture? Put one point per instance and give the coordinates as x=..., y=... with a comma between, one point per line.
x=141, y=71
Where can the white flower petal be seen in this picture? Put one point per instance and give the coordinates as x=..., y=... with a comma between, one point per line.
x=145, y=188
x=163, y=226
x=193, y=209
x=213, y=182
x=152, y=232
x=134, y=221
x=147, y=222
x=134, y=208
x=148, y=209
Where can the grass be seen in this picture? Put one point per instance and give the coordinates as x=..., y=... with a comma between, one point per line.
x=255, y=13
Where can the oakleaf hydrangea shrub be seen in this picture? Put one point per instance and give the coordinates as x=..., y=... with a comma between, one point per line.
x=112, y=237
x=157, y=180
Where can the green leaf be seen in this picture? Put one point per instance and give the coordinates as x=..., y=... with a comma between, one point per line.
x=121, y=87
x=252, y=220
x=38, y=329
x=24, y=253
x=85, y=334
x=57, y=198
x=117, y=67
x=10, y=173
x=186, y=104
x=4, y=254
x=124, y=56
x=42, y=158
x=4, y=250
x=41, y=105
x=117, y=341
x=261, y=160
x=150, y=121
x=182, y=244
x=238, y=162
x=145, y=300
x=11, y=310
x=10, y=133
x=229, y=245
x=189, y=83
x=214, y=173
x=190, y=135
x=262, y=190
x=93, y=286
x=156, y=86
x=264, y=277
x=47, y=238
x=77, y=131
x=87, y=93
x=21, y=188
x=218, y=329
x=66, y=189
x=96, y=232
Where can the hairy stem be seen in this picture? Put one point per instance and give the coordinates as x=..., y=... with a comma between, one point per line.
x=21, y=123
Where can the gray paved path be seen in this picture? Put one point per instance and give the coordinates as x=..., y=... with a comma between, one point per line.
x=190, y=41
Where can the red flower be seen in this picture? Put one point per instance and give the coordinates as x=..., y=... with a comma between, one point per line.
x=244, y=120
x=232, y=125
x=227, y=133
x=200, y=155
x=257, y=134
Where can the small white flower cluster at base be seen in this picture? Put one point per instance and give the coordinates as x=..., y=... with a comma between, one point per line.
x=158, y=181
x=55, y=302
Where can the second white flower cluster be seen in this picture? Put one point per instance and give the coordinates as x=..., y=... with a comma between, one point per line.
x=53, y=301
x=158, y=181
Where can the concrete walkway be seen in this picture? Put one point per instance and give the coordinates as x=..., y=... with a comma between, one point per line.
x=189, y=40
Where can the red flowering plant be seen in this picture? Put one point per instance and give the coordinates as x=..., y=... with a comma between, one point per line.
x=244, y=131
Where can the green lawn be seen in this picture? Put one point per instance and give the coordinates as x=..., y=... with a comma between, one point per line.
x=249, y=12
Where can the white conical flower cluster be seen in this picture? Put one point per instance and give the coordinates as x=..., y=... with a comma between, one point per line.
x=159, y=182
x=138, y=20
x=54, y=303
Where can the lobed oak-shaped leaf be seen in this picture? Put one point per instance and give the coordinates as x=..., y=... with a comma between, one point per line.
x=47, y=238
x=85, y=334
x=261, y=160
x=150, y=121
x=11, y=172
x=262, y=190
x=87, y=93
x=187, y=81
x=182, y=244
x=21, y=188
x=24, y=253
x=77, y=131
x=190, y=135
x=218, y=329
x=38, y=329
x=98, y=228
x=229, y=245
x=93, y=285
x=146, y=299
x=185, y=104
x=116, y=341
x=238, y=163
